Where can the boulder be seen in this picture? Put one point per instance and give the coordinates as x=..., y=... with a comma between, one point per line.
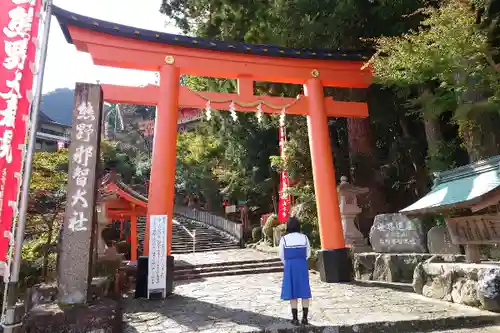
x=364, y=264
x=396, y=233
x=439, y=287
x=439, y=241
x=488, y=288
x=386, y=269
x=464, y=291
x=419, y=279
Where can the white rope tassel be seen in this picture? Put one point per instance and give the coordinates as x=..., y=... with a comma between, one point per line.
x=208, y=111
x=259, y=113
x=232, y=109
x=282, y=117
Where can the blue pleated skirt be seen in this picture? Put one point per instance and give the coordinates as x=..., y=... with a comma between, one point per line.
x=295, y=274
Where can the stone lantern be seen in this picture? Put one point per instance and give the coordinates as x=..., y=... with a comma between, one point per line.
x=349, y=209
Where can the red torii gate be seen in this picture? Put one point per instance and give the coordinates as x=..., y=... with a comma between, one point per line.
x=122, y=46
x=120, y=202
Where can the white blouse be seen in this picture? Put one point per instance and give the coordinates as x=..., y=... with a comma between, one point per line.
x=293, y=239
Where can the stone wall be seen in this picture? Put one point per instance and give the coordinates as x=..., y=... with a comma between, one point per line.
x=391, y=267
x=387, y=267
x=475, y=285
x=234, y=229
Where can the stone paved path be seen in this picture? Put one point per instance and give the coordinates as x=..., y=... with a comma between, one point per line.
x=495, y=329
x=250, y=304
x=223, y=256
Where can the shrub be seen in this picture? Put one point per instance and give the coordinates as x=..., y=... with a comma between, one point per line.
x=33, y=263
x=314, y=239
x=282, y=232
x=311, y=231
x=256, y=234
x=282, y=228
x=312, y=260
x=271, y=222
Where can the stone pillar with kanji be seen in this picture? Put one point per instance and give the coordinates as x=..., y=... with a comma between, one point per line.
x=349, y=210
x=79, y=226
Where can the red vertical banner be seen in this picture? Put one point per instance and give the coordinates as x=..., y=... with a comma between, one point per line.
x=284, y=198
x=19, y=31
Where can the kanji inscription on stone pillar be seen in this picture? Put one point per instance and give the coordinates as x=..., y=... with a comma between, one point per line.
x=75, y=257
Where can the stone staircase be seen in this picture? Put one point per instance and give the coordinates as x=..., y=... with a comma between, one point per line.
x=207, y=238
x=195, y=272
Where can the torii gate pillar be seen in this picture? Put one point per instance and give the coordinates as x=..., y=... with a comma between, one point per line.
x=161, y=186
x=334, y=259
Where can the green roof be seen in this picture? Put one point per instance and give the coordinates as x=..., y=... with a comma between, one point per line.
x=463, y=186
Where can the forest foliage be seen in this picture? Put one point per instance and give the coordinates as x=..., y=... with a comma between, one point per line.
x=47, y=203
x=433, y=105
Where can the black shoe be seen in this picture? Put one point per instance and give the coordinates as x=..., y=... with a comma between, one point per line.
x=295, y=316
x=305, y=312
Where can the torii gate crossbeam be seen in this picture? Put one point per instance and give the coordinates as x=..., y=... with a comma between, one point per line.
x=149, y=95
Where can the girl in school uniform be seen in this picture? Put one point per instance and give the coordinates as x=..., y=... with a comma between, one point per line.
x=294, y=251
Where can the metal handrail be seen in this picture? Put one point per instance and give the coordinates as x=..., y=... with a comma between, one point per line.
x=191, y=234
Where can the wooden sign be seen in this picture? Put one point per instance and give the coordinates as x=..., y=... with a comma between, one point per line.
x=480, y=229
x=230, y=209
x=75, y=258
x=186, y=115
x=157, y=263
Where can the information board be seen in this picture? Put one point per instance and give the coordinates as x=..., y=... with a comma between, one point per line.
x=157, y=262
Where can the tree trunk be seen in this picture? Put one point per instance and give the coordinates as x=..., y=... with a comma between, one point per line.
x=432, y=134
x=421, y=176
x=437, y=159
x=364, y=172
x=340, y=152
x=432, y=128
x=360, y=136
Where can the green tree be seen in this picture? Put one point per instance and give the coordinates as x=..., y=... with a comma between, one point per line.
x=451, y=72
x=197, y=158
x=47, y=203
x=127, y=146
x=240, y=163
x=47, y=199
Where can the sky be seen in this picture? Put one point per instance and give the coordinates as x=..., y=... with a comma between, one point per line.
x=65, y=65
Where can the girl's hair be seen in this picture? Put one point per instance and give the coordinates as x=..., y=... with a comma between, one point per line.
x=293, y=225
